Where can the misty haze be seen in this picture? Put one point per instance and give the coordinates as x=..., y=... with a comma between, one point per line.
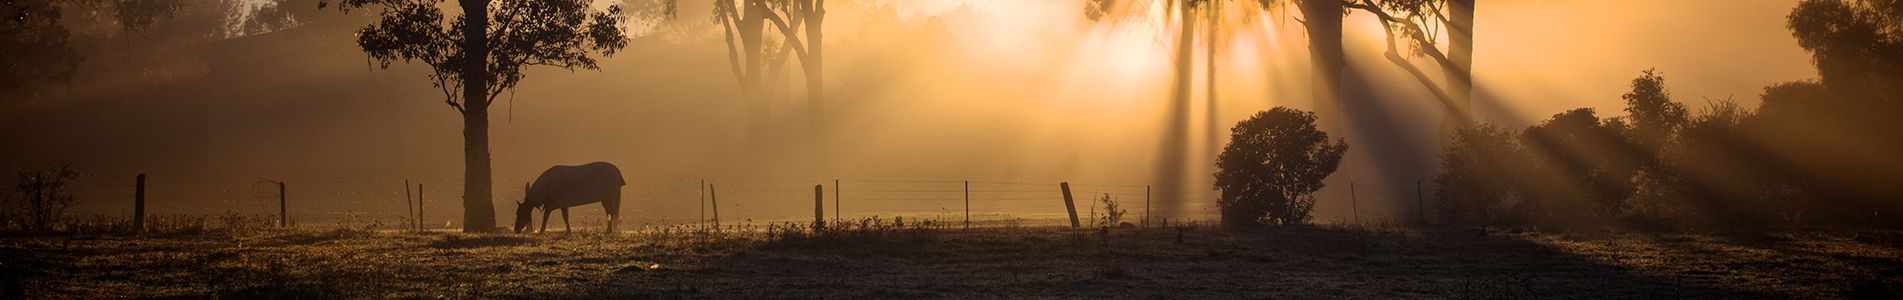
x=951, y=149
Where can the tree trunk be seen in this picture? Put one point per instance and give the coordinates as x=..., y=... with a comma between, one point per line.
x=1459, y=78
x=815, y=81
x=1327, y=60
x=1212, y=133
x=1173, y=158
x=753, y=84
x=478, y=212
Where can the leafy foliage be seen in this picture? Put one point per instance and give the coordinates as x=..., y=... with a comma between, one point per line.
x=1858, y=49
x=1655, y=117
x=33, y=46
x=1274, y=163
x=1581, y=160
x=1479, y=181
x=1837, y=136
x=521, y=33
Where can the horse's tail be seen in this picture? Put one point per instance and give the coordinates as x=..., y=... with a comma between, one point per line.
x=613, y=203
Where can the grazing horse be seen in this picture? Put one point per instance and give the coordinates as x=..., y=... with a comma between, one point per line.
x=562, y=187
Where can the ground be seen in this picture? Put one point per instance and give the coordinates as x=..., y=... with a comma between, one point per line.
x=913, y=261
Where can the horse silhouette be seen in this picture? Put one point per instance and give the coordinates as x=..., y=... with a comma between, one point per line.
x=562, y=187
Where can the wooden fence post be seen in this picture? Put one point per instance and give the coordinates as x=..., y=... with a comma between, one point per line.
x=819, y=206
x=1069, y=205
x=1354, y=205
x=967, y=204
x=836, y=215
x=283, y=212
x=1420, y=203
x=419, y=206
x=138, y=205
x=409, y=205
x=714, y=194
x=1146, y=205
x=703, y=202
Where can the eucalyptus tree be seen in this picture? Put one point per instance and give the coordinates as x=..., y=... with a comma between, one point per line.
x=761, y=36
x=480, y=54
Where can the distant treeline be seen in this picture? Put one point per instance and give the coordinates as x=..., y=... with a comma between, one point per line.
x=1822, y=151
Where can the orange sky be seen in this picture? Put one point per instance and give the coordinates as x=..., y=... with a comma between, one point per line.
x=1555, y=54
x=1539, y=56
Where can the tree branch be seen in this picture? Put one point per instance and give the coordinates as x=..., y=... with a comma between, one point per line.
x=1394, y=55
x=1415, y=32
x=791, y=36
x=727, y=20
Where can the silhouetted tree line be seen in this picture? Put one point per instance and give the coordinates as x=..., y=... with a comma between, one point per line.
x=1822, y=151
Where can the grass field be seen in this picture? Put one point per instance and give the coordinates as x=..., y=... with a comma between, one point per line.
x=883, y=261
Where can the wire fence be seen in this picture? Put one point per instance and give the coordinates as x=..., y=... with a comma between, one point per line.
x=685, y=201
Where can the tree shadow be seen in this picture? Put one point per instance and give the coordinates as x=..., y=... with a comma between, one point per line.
x=1163, y=262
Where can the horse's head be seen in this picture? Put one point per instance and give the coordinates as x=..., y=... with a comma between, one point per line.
x=522, y=211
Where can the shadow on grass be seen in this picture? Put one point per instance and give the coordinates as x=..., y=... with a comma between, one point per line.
x=459, y=241
x=1298, y=262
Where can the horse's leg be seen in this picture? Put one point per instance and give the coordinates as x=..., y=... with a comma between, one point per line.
x=545, y=213
x=613, y=205
x=565, y=227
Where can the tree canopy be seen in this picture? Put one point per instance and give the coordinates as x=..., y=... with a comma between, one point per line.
x=521, y=34
x=1274, y=163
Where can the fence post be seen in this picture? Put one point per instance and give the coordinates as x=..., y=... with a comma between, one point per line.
x=819, y=206
x=836, y=200
x=409, y=205
x=1354, y=205
x=1069, y=205
x=714, y=194
x=138, y=205
x=419, y=206
x=703, y=202
x=1146, y=205
x=1420, y=202
x=967, y=204
x=283, y=212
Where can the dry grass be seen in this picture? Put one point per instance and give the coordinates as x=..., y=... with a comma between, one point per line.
x=880, y=259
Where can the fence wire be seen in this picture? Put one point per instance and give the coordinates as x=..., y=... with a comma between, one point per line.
x=649, y=201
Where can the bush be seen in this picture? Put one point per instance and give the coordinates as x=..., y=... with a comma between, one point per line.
x=42, y=198
x=1113, y=213
x=1479, y=171
x=1584, y=166
x=1274, y=163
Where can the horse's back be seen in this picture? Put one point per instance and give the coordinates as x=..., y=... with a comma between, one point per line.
x=583, y=184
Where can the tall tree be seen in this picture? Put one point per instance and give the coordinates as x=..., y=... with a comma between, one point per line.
x=1460, y=37
x=813, y=62
x=750, y=27
x=1322, y=20
x=481, y=54
x=1656, y=120
x=1857, y=47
